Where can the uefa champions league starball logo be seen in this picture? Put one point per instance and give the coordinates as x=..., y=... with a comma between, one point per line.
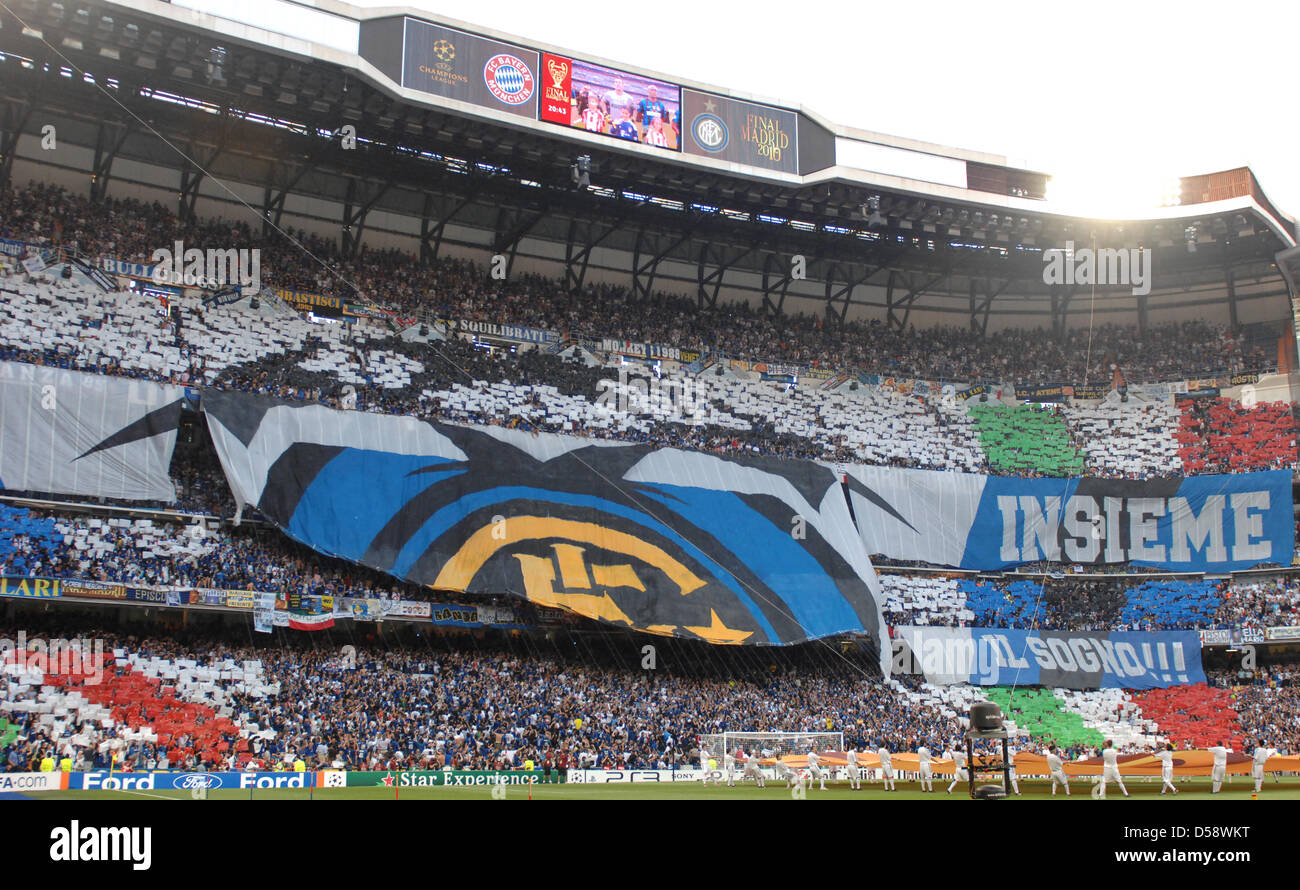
x=710, y=132
x=509, y=79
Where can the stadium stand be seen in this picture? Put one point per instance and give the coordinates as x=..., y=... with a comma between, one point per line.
x=1026, y=441
x=1072, y=603
x=1124, y=441
x=1220, y=436
x=130, y=230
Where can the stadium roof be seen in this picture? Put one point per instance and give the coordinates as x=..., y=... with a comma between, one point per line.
x=231, y=91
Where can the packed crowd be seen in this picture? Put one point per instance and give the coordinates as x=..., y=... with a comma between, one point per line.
x=236, y=347
x=464, y=707
x=131, y=231
x=444, y=704
x=185, y=556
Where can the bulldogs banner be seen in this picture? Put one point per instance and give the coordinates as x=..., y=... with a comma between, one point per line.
x=65, y=432
x=1074, y=660
x=1195, y=524
x=728, y=550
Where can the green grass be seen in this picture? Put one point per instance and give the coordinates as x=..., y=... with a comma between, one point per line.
x=1139, y=789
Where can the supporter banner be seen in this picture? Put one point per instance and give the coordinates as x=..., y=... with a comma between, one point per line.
x=45, y=253
x=29, y=588
x=982, y=389
x=1243, y=379
x=66, y=432
x=365, y=311
x=376, y=609
x=305, y=302
x=639, y=350
x=505, y=331
x=627, y=776
x=103, y=780
x=1216, y=637
x=1284, y=633
x=474, y=616
x=461, y=66
x=1093, y=392
x=224, y=297
x=439, y=778
x=306, y=622
x=729, y=129
x=1049, y=392
x=725, y=549
x=125, y=269
x=778, y=369
x=1074, y=660
x=239, y=599
x=94, y=590
x=34, y=265
x=103, y=281
x=1195, y=524
x=9, y=247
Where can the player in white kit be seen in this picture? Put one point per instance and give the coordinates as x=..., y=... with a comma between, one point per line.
x=1110, y=769
x=1166, y=758
x=923, y=764
x=958, y=757
x=785, y=771
x=1057, y=771
x=855, y=773
x=1257, y=761
x=886, y=768
x=754, y=771
x=815, y=770
x=706, y=768
x=729, y=765
x=1220, y=768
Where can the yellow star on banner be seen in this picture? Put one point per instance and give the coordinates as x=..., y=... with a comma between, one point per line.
x=717, y=632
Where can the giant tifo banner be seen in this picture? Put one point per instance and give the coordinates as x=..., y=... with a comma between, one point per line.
x=981, y=656
x=66, y=432
x=728, y=550
x=1194, y=524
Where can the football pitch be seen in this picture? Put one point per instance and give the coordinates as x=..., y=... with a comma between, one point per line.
x=1197, y=789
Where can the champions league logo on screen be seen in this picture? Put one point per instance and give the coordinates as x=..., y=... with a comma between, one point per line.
x=509, y=79
x=710, y=132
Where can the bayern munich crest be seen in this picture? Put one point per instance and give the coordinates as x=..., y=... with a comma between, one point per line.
x=509, y=79
x=710, y=132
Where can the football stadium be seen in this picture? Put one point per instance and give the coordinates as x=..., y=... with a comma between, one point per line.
x=395, y=406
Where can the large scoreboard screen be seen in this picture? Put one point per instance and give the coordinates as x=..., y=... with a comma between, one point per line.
x=605, y=100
